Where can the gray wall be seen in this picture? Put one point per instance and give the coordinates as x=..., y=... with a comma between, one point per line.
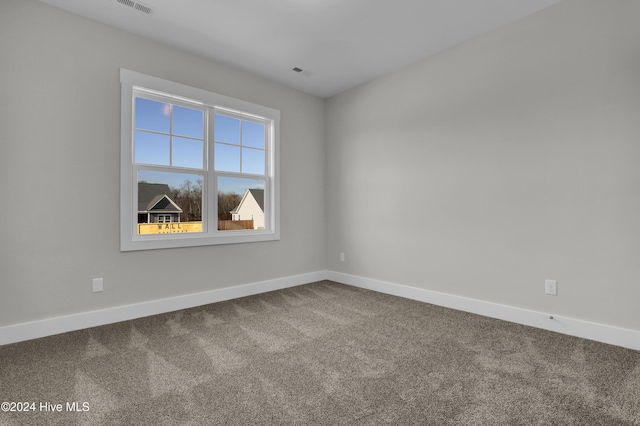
x=60, y=171
x=479, y=172
x=500, y=163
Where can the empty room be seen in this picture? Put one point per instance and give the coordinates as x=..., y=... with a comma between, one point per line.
x=328, y=212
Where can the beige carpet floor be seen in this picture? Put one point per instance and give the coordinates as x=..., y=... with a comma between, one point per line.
x=325, y=354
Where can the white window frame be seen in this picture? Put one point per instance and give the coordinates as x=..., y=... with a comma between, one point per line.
x=129, y=238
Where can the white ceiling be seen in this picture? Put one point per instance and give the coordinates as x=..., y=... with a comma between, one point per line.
x=338, y=43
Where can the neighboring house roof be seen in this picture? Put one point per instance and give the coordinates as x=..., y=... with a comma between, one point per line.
x=257, y=194
x=153, y=196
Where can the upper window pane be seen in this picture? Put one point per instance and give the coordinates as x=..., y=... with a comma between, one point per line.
x=227, y=158
x=253, y=161
x=152, y=148
x=226, y=129
x=188, y=122
x=253, y=134
x=153, y=115
x=187, y=153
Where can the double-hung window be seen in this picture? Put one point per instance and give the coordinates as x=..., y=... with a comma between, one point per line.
x=197, y=168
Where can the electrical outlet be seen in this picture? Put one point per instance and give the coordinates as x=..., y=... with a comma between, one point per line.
x=341, y=257
x=97, y=285
x=551, y=287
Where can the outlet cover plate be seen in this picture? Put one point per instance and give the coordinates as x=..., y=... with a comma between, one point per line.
x=97, y=285
x=551, y=287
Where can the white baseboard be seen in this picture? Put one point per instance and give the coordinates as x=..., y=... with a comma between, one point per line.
x=570, y=326
x=48, y=327
x=573, y=327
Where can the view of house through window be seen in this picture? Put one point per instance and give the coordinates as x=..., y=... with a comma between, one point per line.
x=198, y=163
x=170, y=151
x=172, y=203
x=240, y=203
x=169, y=202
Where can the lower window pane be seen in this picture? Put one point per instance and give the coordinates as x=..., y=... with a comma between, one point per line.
x=169, y=203
x=240, y=203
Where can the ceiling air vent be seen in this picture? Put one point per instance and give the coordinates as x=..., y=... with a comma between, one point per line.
x=136, y=5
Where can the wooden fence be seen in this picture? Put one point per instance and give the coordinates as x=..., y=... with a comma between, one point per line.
x=232, y=225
